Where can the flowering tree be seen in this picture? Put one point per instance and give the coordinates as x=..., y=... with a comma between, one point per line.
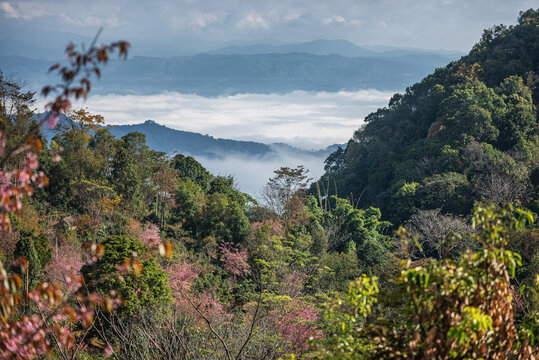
x=150, y=235
x=296, y=321
x=147, y=233
x=28, y=336
x=234, y=259
x=65, y=262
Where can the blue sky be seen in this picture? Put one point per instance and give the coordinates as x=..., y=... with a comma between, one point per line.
x=191, y=24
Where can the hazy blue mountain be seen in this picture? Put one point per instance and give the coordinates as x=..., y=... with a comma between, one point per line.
x=163, y=138
x=316, y=47
x=214, y=75
x=168, y=140
x=329, y=47
x=384, y=50
x=38, y=43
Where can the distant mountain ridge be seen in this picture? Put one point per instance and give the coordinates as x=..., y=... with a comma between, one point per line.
x=330, y=47
x=320, y=65
x=316, y=47
x=162, y=138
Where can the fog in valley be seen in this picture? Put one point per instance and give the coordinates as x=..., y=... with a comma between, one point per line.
x=306, y=120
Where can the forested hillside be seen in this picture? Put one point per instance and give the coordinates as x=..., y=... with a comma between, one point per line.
x=467, y=132
x=109, y=249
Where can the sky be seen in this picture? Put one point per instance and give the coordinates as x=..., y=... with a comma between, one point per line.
x=188, y=25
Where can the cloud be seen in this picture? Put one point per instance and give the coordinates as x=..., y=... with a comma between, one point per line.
x=305, y=119
x=253, y=21
x=413, y=23
x=251, y=174
x=335, y=19
x=27, y=10
x=9, y=11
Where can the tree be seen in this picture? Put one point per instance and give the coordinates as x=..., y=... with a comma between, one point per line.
x=164, y=179
x=75, y=133
x=145, y=286
x=126, y=175
x=451, y=310
x=26, y=337
x=450, y=192
x=440, y=236
x=283, y=186
x=26, y=249
x=189, y=168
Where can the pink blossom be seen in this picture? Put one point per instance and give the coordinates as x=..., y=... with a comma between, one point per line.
x=147, y=233
x=296, y=323
x=234, y=259
x=208, y=304
x=66, y=262
x=274, y=226
x=150, y=235
x=52, y=121
x=181, y=276
x=24, y=339
x=108, y=351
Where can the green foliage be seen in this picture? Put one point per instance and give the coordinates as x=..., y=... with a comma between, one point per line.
x=450, y=310
x=26, y=248
x=191, y=169
x=337, y=270
x=426, y=136
x=210, y=218
x=276, y=257
x=341, y=319
x=471, y=111
x=126, y=177
x=450, y=192
x=147, y=289
x=224, y=219
x=349, y=229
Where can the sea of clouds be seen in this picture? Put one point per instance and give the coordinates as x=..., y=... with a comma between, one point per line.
x=300, y=118
x=309, y=120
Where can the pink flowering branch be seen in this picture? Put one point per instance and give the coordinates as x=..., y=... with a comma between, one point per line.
x=150, y=235
x=296, y=323
x=17, y=183
x=234, y=259
x=28, y=337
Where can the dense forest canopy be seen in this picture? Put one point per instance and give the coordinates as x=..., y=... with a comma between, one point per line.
x=111, y=249
x=465, y=133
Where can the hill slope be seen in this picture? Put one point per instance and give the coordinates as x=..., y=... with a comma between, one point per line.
x=466, y=132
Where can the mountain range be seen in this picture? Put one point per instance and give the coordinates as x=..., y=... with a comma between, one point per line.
x=168, y=140
x=329, y=47
x=321, y=65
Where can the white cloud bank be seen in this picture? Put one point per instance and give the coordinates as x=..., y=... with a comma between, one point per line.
x=312, y=120
x=251, y=174
x=303, y=119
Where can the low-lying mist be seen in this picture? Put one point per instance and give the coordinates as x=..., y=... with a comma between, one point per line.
x=310, y=120
x=252, y=173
